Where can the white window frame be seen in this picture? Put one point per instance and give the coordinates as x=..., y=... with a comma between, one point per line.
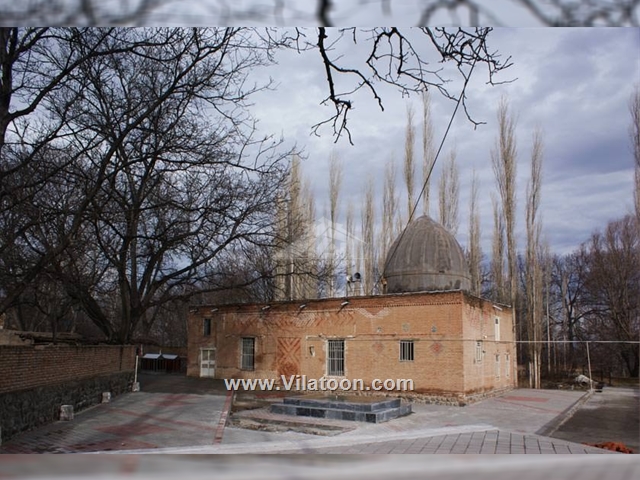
x=248, y=353
x=497, y=365
x=208, y=362
x=496, y=329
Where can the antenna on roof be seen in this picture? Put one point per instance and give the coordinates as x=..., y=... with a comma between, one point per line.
x=355, y=278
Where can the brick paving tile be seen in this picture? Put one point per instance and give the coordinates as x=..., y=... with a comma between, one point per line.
x=561, y=448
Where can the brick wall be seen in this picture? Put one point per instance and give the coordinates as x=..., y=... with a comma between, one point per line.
x=28, y=367
x=292, y=340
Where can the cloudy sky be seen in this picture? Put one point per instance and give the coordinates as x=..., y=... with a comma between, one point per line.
x=574, y=84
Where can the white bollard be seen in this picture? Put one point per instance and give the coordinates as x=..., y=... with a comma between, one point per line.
x=106, y=397
x=66, y=412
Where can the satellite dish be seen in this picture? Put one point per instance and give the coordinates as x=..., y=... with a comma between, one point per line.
x=353, y=278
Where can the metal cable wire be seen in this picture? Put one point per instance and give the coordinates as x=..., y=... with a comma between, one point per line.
x=426, y=180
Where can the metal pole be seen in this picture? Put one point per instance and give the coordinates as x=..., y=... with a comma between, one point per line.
x=589, y=364
x=548, y=337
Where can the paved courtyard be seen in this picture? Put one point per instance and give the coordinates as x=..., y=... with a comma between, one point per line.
x=168, y=417
x=160, y=416
x=612, y=415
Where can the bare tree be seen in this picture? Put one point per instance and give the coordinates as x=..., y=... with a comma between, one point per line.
x=390, y=209
x=82, y=12
x=569, y=307
x=449, y=194
x=352, y=248
x=533, y=267
x=474, y=251
x=634, y=133
x=503, y=158
x=497, y=252
x=335, y=182
x=38, y=65
x=546, y=262
x=368, y=239
x=428, y=151
x=553, y=13
x=391, y=218
x=613, y=289
x=391, y=56
x=393, y=59
x=296, y=263
x=409, y=163
x=162, y=194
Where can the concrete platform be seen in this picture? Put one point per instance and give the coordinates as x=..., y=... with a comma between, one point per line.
x=347, y=408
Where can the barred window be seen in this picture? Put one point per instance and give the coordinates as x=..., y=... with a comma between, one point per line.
x=478, y=352
x=206, y=327
x=497, y=329
x=497, y=366
x=335, y=358
x=247, y=361
x=406, y=350
x=507, y=365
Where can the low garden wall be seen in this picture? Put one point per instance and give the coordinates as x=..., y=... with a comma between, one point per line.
x=36, y=380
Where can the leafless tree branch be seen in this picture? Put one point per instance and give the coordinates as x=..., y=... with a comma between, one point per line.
x=552, y=13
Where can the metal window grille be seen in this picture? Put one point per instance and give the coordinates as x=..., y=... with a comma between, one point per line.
x=478, y=352
x=406, y=350
x=335, y=357
x=497, y=366
x=206, y=327
x=248, y=353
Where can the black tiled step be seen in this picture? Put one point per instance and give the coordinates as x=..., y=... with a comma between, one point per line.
x=358, y=404
x=377, y=416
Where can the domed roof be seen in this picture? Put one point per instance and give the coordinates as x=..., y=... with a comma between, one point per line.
x=426, y=257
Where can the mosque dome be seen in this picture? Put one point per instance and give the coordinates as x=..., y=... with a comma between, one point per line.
x=426, y=257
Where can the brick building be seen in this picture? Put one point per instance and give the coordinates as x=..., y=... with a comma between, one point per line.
x=455, y=347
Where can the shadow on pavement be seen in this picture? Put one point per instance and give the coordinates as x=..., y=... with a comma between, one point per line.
x=180, y=383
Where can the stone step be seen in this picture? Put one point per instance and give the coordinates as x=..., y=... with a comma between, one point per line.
x=377, y=416
x=354, y=403
x=272, y=424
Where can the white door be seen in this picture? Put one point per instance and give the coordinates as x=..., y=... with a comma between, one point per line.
x=207, y=362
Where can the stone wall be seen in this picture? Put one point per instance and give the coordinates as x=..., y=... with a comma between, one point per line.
x=28, y=409
x=36, y=381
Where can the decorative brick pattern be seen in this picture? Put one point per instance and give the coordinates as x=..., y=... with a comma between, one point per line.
x=444, y=326
x=288, y=356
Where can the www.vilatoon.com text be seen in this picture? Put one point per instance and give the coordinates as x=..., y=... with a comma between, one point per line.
x=302, y=383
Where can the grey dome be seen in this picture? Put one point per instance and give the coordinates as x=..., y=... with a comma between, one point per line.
x=426, y=257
